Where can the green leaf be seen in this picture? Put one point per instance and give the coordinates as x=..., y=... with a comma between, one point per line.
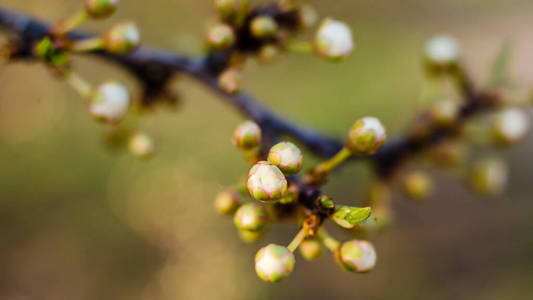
x=348, y=217
x=499, y=72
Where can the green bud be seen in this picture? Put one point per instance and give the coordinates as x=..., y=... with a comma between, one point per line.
x=251, y=217
x=44, y=49
x=510, y=126
x=233, y=11
x=348, y=217
x=310, y=249
x=273, y=263
x=141, y=144
x=110, y=101
x=445, y=112
x=442, y=51
x=326, y=202
x=488, y=176
x=366, y=136
x=333, y=40
x=263, y=27
x=356, y=256
x=220, y=36
x=122, y=38
x=227, y=202
x=249, y=237
x=230, y=81
x=100, y=8
x=418, y=185
x=266, y=182
x=247, y=135
x=287, y=157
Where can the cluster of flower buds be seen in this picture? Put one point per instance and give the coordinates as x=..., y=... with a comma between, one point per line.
x=272, y=181
x=264, y=31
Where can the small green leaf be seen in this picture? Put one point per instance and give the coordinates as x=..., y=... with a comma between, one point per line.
x=348, y=217
x=499, y=72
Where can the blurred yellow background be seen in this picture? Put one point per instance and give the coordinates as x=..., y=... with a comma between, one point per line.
x=79, y=220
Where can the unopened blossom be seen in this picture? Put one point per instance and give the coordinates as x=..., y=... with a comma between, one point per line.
x=510, y=125
x=250, y=216
x=263, y=27
x=220, y=36
x=445, y=112
x=356, y=256
x=488, y=176
x=122, y=38
x=141, y=144
x=333, y=40
x=230, y=81
x=273, y=263
x=266, y=182
x=287, y=157
x=418, y=185
x=247, y=135
x=227, y=202
x=110, y=101
x=442, y=50
x=310, y=249
x=100, y=8
x=366, y=136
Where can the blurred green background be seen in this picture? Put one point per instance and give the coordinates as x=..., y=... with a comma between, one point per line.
x=81, y=221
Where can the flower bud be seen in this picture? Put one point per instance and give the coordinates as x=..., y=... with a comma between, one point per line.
x=263, y=27
x=366, y=136
x=230, y=81
x=449, y=153
x=510, y=126
x=273, y=263
x=220, y=36
x=232, y=10
x=333, y=40
x=442, y=50
x=356, y=256
x=110, y=101
x=445, y=112
x=250, y=216
x=247, y=135
x=347, y=216
x=266, y=182
x=287, y=157
x=267, y=53
x=418, y=185
x=307, y=16
x=227, y=202
x=141, y=144
x=122, y=38
x=249, y=237
x=310, y=249
x=488, y=176
x=100, y=8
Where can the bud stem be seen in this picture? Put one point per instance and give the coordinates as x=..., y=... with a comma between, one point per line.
x=333, y=162
x=298, y=239
x=88, y=45
x=79, y=84
x=71, y=23
x=330, y=242
x=299, y=47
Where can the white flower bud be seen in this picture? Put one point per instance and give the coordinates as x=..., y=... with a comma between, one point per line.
x=100, y=8
x=356, y=256
x=141, y=144
x=110, y=101
x=230, y=81
x=442, y=50
x=333, y=40
x=220, y=36
x=266, y=182
x=445, y=112
x=287, y=157
x=273, y=263
x=122, y=38
x=510, y=126
x=247, y=135
x=366, y=136
x=263, y=27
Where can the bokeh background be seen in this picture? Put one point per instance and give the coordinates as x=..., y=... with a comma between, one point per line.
x=79, y=220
